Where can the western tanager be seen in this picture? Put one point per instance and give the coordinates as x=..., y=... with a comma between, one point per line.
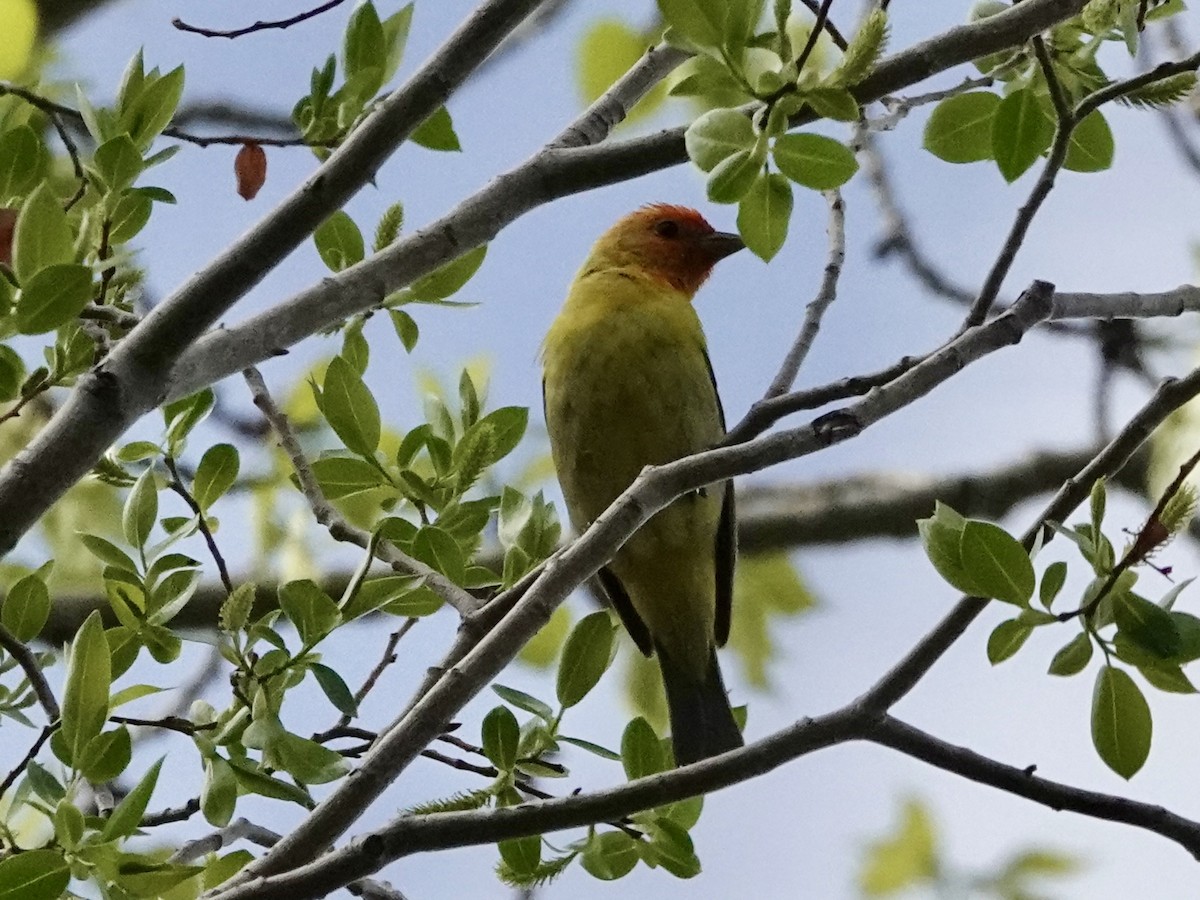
x=627, y=384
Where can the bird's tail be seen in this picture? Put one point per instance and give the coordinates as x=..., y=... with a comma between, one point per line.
x=702, y=723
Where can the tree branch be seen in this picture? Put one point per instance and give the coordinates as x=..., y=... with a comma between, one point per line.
x=893, y=733
x=27, y=660
x=836, y=229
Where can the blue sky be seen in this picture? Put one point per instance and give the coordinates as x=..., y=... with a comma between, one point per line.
x=797, y=832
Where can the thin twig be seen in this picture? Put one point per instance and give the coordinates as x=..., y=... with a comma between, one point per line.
x=179, y=488
x=834, y=35
x=171, y=814
x=11, y=778
x=259, y=25
x=814, y=35
x=836, y=229
x=898, y=108
x=28, y=662
x=389, y=657
x=1058, y=97
x=170, y=723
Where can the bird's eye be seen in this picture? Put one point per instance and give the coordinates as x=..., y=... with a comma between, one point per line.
x=667, y=228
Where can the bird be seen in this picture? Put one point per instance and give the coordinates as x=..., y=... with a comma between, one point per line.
x=627, y=383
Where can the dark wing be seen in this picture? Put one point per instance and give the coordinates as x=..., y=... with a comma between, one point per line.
x=618, y=597
x=725, y=548
x=726, y=558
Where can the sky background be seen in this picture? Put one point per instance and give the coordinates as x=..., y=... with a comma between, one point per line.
x=800, y=831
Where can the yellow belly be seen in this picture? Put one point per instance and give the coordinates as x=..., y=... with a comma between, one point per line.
x=627, y=385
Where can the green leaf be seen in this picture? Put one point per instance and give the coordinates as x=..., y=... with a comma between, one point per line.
x=26, y=607
x=377, y=592
x=22, y=161
x=406, y=328
x=610, y=855
x=941, y=536
x=960, y=128
x=68, y=824
x=395, y=35
x=235, y=611
x=1073, y=657
x=1006, y=639
x=42, y=236
x=34, y=875
x=344, y=476
x=107, y=755
x=1021, y=130
x=335, y=689
x=89, y=674
x=591, y=747
x=252, y=780
x=449, y=279
x=585, y=657
x=718, y=135
x=733, y=177
x=642, y=752
x=1147, y=625
x=522, y=855
x=131, y=693
x=53, y=297
x=438, y=549
x=1168, y=677
x=108, y=552
x=154, y=108
x=501, y=736
x=700, y=21
x=1053, y=580
x=833, y=103
x=764, y=215
x=218, y=797
x=129, y=217
x=437, y=132
x=671, y=847
x=128, y=814
x=141, y=509
x=527, y=702
x=997, y=563
x=339, y=242
x=307, y=761
x=364, y=47
x=217, y=472
x=1092, y=147
x=350, y=408
x=310, y=609
x=1121, y=724
x=507, y=425
x=814, y=161
x=118, y=163
x=12, y=372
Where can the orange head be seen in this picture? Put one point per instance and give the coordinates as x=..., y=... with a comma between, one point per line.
x=671, y=243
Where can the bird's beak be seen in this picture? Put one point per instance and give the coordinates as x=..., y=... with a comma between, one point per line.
x=721, y=244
